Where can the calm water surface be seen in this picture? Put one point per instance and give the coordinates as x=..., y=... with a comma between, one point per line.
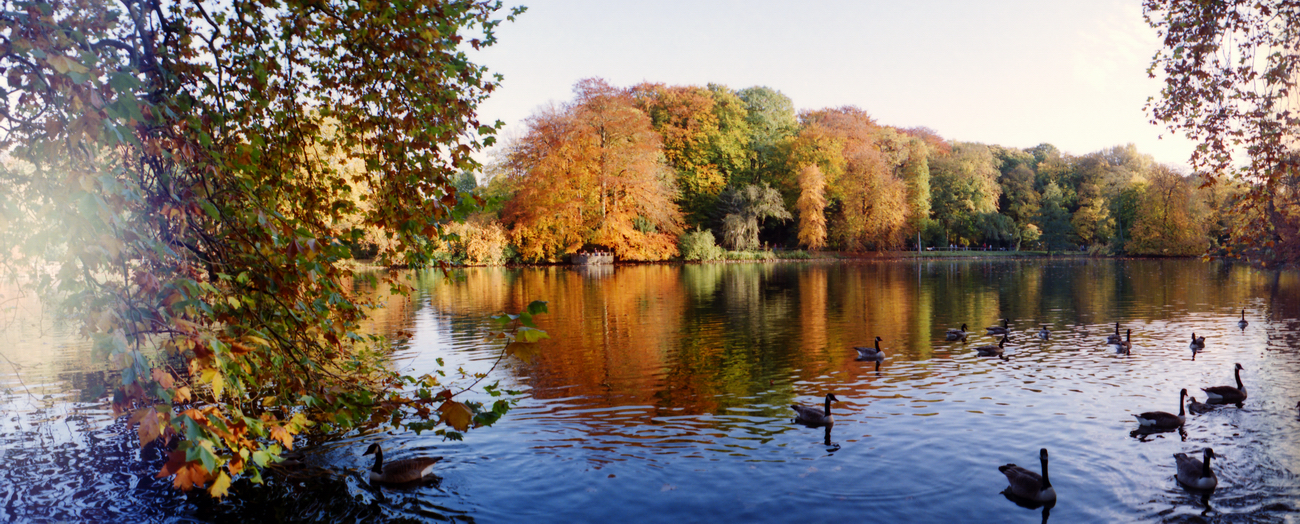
x=664, y=393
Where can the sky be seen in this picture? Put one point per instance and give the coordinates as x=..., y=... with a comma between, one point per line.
x=1072, y=73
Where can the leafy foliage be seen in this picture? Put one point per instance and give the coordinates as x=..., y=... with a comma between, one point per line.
x=743, y=208
x=699, y=245
x=586, y=172
x=1230, y=70
x=178, y=179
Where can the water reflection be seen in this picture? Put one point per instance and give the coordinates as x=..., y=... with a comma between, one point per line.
x=664, y=396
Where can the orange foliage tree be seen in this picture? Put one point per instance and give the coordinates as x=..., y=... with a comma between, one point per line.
x=592, y=172
x=873, y=199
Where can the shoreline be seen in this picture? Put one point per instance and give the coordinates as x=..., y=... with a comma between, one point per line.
x=369, y=265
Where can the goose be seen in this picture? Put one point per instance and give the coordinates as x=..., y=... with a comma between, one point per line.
x=1195, y=473
x=1227, y=394
x=871, y=353
x=1044, y=333
x=1162, y=420
x=1198, y=343
x=812, y=417
x=1127, y=344
x=1242, y=323
x=989, y=351
x=1027, y=484
x=1197, y=408
x=999, y=330
x=399, y=471
x=958, y=334
x=1114, y=338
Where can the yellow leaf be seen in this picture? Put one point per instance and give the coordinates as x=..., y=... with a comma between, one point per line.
x=220, y=486
x=456, y=415
x=183, y=394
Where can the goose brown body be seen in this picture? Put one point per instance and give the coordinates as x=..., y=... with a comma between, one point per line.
x=1164, y=420
x=1196, y=473
x=399, y=471
x=999, y=330
x=1198, y=343
x=870, y=353
x=812, y=416
x=1028, y=484
x=1115, y=338
x=1227, y=394
x=991, y=351
x=958, y=334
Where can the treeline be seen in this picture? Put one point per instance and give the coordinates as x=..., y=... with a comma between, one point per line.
x=653, y=172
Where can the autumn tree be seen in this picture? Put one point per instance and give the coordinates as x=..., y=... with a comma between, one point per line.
x=166, y=179
x=872, y=198
x=1173, y=216
x=705, y=139
x=1230, y=70
x=812, y=207
x=592, y=172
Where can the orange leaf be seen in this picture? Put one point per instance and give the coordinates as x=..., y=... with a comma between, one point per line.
x=175, y=461
x=150, y=426
x=456, y=415
x=190, y=475
x=281, y=434
x=163, y=378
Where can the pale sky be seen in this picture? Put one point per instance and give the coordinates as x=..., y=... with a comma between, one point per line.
x=1013, y=73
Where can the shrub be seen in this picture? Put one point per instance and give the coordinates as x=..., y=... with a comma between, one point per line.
x=700, y=245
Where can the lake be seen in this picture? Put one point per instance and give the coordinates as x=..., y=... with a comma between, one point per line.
x=663, y=396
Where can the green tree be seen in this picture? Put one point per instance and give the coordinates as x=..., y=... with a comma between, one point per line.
x=171, y=179
x=963, y=187
x=1054, y=220
x=771, y=118
x=705, y=138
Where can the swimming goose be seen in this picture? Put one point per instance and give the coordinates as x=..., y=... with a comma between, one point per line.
x=1163, y=420
x=990, y=351
x=1227, y=394
x=812, y=417
x=1195, y=473
x=399, y=471
x=1242, y=323
x=870, y=353
x=1115, y=338
x=958, y=334
x=999, y=330
x=1198, y=343
x=1027, y=484
x=1126, y=344
x=1197, y=408
x=1044, y=333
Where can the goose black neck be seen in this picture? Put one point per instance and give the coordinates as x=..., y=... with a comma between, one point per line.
x=1181, y=407
x=877, y=344
x=379, y=461
x=1046, y=483
x=1237, y=373
x=828, y=406
x=1205, y=469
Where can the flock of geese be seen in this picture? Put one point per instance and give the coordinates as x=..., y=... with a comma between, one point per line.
x=1024, y=484
x=1032, y=487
